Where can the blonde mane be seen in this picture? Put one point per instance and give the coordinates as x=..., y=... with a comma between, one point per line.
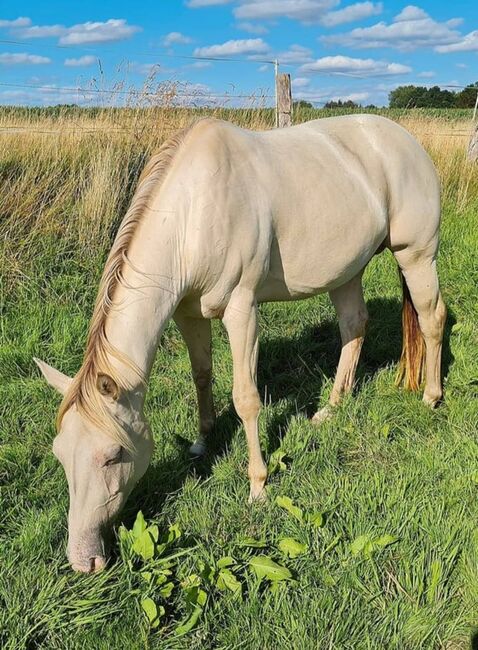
x=83, y=391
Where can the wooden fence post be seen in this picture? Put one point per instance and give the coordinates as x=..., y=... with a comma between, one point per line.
x=473, y=146
x=472, y=153
x=284, y=100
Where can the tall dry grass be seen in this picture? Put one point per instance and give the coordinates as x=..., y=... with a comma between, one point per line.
x=67, y=176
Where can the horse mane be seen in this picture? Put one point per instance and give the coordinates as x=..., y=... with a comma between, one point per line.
x=83, y=391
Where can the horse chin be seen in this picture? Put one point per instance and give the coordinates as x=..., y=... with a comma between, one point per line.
x=93, y=565
x=87, y=553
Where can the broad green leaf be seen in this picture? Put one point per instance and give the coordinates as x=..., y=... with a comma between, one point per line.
x=359, y=544
x=317, y=519
x=276, y=462
x=384, y=541
x=192, y=580
x=154, y=532
x=291, y=547
x=139, y=525
x=226, y=561
x=144, y=546
x=146, y=575
x=252, y=543
x=123, y=534
x=227, y=580
x=264, y=567
x=174, y=533
x=167, y=590
x=188, y=625
x=367, y=544
x=287, y=504
x=152, y=611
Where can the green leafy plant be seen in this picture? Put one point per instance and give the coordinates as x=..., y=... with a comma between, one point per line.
x=152, y=555
x=367, y=544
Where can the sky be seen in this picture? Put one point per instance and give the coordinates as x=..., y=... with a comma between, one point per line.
x=61, y=52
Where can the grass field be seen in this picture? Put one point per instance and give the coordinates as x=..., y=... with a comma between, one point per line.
x=385, y=465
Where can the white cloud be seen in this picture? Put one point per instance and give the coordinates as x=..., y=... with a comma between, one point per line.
x=355, y=67
x=322, y=96
x=300, y=82
x=175, y=38
x=251, y=28
x=307, y=11
x=234, y=48
x=410, y=29
x=295, y=54
x=468, y=43
x=22, y=58
x=351, y=13
x=426, y=74
x=82, y=61
x=114, y=29
x=22, y=21
x=48, y=96
x=461, y=65
x=42, y=31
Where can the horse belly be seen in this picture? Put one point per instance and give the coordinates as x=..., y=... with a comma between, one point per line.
x=319, y=258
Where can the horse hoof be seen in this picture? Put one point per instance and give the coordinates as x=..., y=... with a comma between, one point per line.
x=322, y=415
x=432, y=400
x=197, y=449
x=258, y=494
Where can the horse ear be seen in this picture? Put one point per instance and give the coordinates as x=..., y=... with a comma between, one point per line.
x=54, y=377
x=107, y=386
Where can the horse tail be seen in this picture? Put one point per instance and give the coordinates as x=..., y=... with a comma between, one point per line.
x=411, y=369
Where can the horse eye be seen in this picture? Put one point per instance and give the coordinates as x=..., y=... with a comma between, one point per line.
x=115, y=459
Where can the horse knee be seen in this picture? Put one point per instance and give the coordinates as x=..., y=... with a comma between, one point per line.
x=247, y=404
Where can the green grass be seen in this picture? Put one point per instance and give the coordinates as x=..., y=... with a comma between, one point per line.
x=384, y=465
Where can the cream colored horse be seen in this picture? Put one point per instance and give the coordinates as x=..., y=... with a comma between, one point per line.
x=224, y=219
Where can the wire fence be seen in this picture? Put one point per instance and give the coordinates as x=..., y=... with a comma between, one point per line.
x=176, y=93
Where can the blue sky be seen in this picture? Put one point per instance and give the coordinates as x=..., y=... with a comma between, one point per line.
x=332, y=48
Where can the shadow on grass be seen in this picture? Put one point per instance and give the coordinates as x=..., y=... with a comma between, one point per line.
x=292, y=369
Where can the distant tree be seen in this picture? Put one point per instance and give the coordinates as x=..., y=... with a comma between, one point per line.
x=467, y=97
x=340, y=104
x=406, y=96
x=434, y=97
x=301, y=103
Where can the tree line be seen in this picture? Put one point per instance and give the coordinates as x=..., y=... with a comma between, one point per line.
x=413, y=97
x=434, y=97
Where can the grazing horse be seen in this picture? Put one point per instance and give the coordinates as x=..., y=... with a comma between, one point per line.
x=223, y=219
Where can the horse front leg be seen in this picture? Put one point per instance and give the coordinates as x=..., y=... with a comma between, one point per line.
x=240, y=320
x=196, y=333
x=352, y=313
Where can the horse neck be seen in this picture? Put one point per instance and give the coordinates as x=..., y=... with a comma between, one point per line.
x=153, y=283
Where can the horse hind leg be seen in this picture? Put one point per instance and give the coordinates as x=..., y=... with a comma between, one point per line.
x=352, y=314
x=421, y=279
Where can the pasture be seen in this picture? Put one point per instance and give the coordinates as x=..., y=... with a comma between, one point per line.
x=393, y=561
